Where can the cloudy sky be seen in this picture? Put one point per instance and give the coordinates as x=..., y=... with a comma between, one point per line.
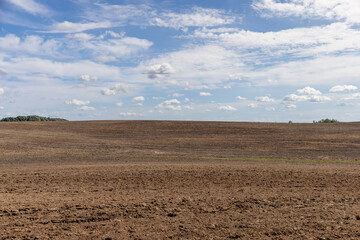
x=225, y=60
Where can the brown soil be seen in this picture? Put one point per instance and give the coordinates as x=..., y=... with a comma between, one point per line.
x=179, y=180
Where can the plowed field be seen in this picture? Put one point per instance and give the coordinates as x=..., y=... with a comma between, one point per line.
x=179, y=180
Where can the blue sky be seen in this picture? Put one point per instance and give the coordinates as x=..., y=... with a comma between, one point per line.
x=228, y=60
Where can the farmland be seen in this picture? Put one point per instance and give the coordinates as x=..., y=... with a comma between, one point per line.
x=176, y=180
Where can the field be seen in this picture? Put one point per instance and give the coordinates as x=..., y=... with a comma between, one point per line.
x=179, y=180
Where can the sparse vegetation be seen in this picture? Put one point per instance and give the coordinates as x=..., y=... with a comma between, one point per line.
x=31, y=118
x=326, y=120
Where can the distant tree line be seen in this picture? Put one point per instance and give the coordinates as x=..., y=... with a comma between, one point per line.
x=326, y=120
x=31, y=118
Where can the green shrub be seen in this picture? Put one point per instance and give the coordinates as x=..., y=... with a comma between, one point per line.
x=31, y=118
x=326, y=120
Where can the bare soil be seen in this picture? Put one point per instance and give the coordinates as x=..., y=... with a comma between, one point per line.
x=179, y=180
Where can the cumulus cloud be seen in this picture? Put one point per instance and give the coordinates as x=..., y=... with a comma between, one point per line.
x=309, y=91
x=264, y=99
x=30, y=44
x=252, y=105
x=290, y=106
x=343, y=88
x=318, y=99
x=77, y=102
x=159, y=70
x=87, y=78
x=240, y=98
x=205, y=94
x=2, y=91
x=196, y=17
x=118, y=88
x=346, y=10
x=86, y=108
x=295, y=98
x=139, y=98
x=227, y=108
x=1, y=107
x=308, y=94
x=105, y=58
x=172, y=104
x=119, y=104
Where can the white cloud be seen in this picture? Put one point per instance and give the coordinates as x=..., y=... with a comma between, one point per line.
x=319, y=99
x=326, y=38
x=31, y=6
x=252, y=105
x=23, y=67
x=139, y=98
x=172, y=101
x=290, y=106
x=157, y=98
x=343, y=88
x=144, y=15
x=353, y=96
x=176, y=95
x=86, y=108
x=205, y=94
x=119, y=104
x=189, y=88
x=295, y=98
x=70, y=27
x=159, y=70
x=240, y=98
x=189, y=107
x=310, y=71
x=105, y=58
x=201, y=66
x=117, y=47
x=118, y=88
x=1, y=107
x=2, y=91
x=31, y=44
x=172, y=104
x=308, y=94
x=77, y=102
x=346, y=10
x=309, y=91
x=227, y=108
x=264, y=99
x=87, y=78
x=197, y=17
x=128, y=114
x=81, y=36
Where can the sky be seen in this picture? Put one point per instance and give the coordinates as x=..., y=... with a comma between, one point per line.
x=208, y=60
